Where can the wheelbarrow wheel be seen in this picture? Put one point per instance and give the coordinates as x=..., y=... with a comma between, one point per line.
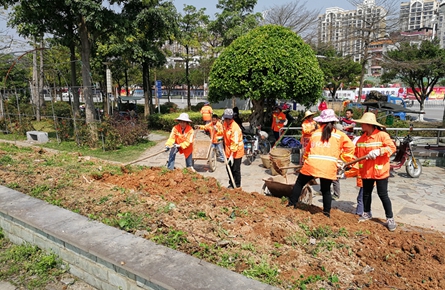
x=306, y=195
x=265, y=190
x=212, y=160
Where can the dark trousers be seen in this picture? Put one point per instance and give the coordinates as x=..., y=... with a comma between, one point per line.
x=382, y=191
x=325, y=186
x=236, y=172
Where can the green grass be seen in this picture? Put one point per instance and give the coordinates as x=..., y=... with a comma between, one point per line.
x=27, y=266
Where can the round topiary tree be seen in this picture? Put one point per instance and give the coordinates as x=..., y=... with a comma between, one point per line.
x=268, y=63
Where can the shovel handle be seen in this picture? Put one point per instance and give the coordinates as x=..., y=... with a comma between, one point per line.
x=355, y=161
x=154, y=154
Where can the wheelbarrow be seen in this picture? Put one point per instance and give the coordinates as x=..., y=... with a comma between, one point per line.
x=280, y=186
x=203, y=150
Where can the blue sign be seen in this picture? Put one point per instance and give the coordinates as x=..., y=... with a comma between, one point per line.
x=159, y=89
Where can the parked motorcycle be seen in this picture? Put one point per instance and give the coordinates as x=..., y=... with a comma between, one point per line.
x=255, y=144
x=405, y=156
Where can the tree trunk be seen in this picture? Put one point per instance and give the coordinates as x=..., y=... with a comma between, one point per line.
x=187, y=78
x=41, y=79
x=87, y=92
x=422, y=109
x=257, y=116
x=74, y=87
x=148, y=97
x=35, y=85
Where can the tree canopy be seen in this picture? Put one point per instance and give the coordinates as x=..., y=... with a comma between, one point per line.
x=269, y=62
x=420, y=66
x=338, y=70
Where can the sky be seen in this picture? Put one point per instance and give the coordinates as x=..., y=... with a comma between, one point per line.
x=262, y=5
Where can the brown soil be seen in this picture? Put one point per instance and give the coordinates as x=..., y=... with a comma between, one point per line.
x=241, y=230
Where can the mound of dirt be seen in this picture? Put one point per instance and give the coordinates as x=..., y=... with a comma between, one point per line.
x=249, y=233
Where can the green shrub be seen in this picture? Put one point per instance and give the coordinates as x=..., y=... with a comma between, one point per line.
x=61, y=109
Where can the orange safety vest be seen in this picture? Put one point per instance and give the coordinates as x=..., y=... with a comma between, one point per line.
x=321, y=157
x=216, y=131
x=278, y=120
x=206, y=112
x=308, y=127
x=233, y=140
x=378, y=168
x=184, y=139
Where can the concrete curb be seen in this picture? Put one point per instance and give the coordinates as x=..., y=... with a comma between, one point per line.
x=105, y=257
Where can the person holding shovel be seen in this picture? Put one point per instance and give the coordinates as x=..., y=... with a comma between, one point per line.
x=233, y=148
x=180, y=140
x=325, y=147
x=378, y=146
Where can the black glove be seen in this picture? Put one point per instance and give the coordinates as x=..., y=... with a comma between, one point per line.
x=167, y=148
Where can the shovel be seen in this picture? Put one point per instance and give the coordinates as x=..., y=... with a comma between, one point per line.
x=229, y=170
x=136, y=161
x=341, y=171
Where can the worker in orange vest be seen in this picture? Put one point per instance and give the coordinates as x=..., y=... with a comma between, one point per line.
x=206, y=112
x=325, y=147
x=378, y=146
x=181, y=140
x=278, y=120
x=215, y=128
x=308, y=127
x=233, y=147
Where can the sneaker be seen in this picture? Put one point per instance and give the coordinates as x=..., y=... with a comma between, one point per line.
x=365, y=216
x=391, y=224
x=335, y=196
x=230, y=186
x=327, y=214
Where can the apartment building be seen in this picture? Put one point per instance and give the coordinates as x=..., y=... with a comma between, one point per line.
x=348, y=30
x=418, y=14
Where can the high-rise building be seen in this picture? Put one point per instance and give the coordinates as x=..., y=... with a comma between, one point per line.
x=349, y=31
x=418, y=14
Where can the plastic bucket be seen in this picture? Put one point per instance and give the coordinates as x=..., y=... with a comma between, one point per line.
x=281, y=157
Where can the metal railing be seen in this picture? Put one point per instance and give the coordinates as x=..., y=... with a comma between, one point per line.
x=419, y=140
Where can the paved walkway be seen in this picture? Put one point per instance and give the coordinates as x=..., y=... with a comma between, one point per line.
x=419, y=202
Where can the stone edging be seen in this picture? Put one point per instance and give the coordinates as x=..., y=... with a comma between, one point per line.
x=105, y=257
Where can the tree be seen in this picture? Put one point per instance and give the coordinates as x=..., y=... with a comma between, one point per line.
x=269, y=62
x=193, y=33
x=171, y=77
x=295, y=16
x=236, y=19
x=338, y=70
x=148, y=27
x=418, y=66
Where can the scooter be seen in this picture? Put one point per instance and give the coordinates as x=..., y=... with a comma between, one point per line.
x=255, y=144
x=405, y=156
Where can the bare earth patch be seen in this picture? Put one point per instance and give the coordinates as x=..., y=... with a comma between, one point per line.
x=248, y=233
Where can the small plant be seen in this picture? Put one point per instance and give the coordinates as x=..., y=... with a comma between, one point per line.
x=249, y=247
x=263, y=272
x=172, y=239
x=129, y=221
x=13, y=185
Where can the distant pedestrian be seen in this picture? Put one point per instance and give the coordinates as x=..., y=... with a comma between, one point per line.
x=180, y=140
x=237, y=118
x=233, y=147
x=378, y=146
x=323, y=105
x=278, y=120
x=206, y=112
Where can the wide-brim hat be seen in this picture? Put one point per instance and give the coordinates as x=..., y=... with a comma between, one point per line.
x=206, y=103
x=184, y=117
x=307, y=114
x=369, y=118
x=228, y=114
x=326, y=116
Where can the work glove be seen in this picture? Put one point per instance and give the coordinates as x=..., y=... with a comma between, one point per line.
x=177, y=146
x=167, y=148
x=230, y=160
x=340, y=164
x=196, y=127
x=373, y=154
